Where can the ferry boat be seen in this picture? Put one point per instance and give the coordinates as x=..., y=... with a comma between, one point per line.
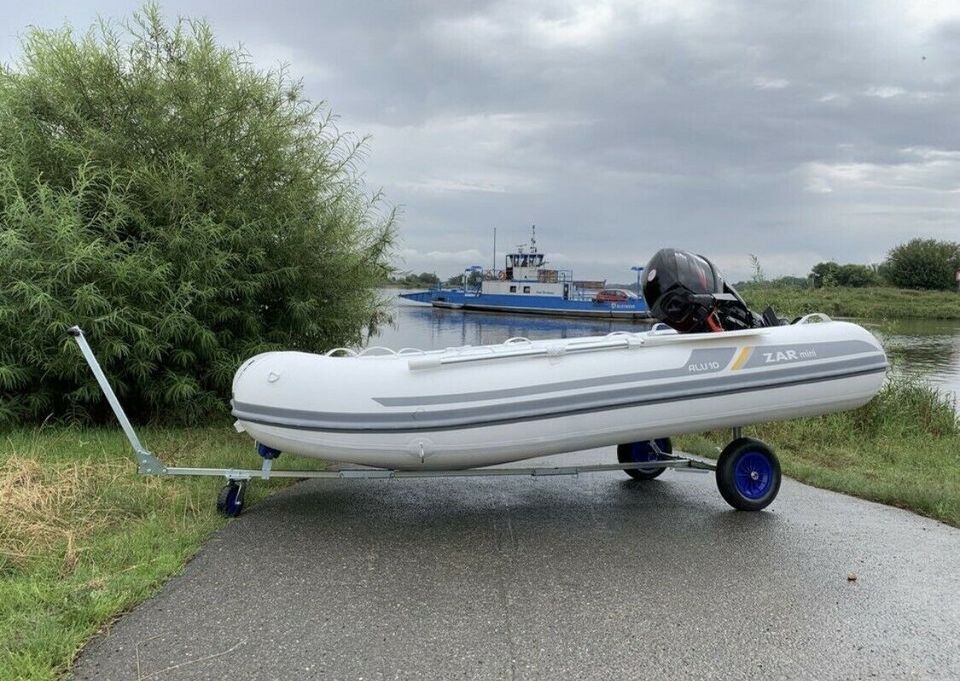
x=527, y=286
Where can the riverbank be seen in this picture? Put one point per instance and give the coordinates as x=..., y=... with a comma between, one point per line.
x=872, y=302
x=408, y=285
x=875, y=302
x=901, y=449
x=83, y=538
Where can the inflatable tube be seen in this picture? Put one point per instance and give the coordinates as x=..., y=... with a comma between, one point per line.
x=478, y=406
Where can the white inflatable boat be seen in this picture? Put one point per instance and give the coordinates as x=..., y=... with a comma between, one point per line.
x=477, y=406
x=459, y=411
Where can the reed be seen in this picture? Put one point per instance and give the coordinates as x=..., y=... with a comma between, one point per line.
x=874, y=302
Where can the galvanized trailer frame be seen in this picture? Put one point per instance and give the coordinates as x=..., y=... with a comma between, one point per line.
x=230, y=500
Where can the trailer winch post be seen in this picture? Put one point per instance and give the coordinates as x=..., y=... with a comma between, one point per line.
x=147, y=463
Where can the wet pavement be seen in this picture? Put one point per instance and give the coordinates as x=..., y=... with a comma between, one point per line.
x=590, y=577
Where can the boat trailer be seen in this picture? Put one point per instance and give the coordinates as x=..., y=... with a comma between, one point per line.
x=231, y=497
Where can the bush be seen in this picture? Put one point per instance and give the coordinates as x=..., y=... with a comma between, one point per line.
x=855, y=276
x=924, y=264
x=186, y=209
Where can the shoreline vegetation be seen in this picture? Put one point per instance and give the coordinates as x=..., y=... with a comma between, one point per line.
x=404, y=286
x=869, y=302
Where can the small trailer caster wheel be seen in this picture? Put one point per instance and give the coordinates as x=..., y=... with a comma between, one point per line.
x=639, y=452
x=748, y=474
x=230, y=499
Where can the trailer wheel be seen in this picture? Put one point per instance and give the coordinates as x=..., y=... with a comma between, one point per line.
x=230, y=499
x=748, y=474
x=637, y=452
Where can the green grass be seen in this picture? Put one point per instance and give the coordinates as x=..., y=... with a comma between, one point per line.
x=870, y=303
x=902, y=449
x=83, y=538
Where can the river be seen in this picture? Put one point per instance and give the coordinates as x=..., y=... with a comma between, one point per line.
x=927, y=349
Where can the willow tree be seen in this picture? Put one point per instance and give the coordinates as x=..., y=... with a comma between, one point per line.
x=186, y=208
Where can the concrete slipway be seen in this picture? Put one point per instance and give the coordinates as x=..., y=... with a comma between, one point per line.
x=592, y=577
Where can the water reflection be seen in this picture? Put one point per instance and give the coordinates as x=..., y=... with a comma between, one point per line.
x=922, y=348
x=927, y=348
x=428, y=328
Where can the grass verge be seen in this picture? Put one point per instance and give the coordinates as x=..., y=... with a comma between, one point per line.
x=902, y=449
x=84, y=538
x=876, y=302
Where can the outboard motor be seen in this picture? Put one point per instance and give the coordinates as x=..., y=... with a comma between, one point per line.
x=687, y=292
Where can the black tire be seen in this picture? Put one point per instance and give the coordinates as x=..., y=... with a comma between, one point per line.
x=748, y=474
x=230, y=499
x=634, y=452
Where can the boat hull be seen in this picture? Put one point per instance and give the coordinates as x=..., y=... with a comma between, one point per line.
x=531, y=305
x=471, y=407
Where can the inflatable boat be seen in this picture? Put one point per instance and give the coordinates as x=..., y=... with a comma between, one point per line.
x=712, y=364
x=476, y=406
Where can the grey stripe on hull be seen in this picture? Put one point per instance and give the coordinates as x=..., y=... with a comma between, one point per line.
x=551, y=407
x=720, y=357
x=764, y=355
x=703, y=359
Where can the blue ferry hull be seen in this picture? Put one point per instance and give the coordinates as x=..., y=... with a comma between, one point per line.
x=530, y=304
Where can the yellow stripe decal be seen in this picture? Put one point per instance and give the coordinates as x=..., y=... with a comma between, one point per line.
x=741, y=358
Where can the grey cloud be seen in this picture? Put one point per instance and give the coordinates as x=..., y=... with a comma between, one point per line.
x=796, y=131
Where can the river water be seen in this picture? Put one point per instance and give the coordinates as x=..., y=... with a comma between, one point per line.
x=927, y=349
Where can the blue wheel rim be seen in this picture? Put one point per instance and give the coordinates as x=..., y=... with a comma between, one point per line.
x=267, y=452
x=753, y=475
x=641, y=452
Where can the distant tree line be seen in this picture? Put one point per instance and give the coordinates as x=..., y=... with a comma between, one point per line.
x=834, y=274
x=473, y=280
x=917, y=264
x=411, y=280
x=431, y=280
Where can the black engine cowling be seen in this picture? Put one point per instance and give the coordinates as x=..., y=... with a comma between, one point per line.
x=687, y=292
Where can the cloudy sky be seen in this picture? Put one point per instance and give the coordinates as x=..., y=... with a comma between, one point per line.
x=798, y=131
